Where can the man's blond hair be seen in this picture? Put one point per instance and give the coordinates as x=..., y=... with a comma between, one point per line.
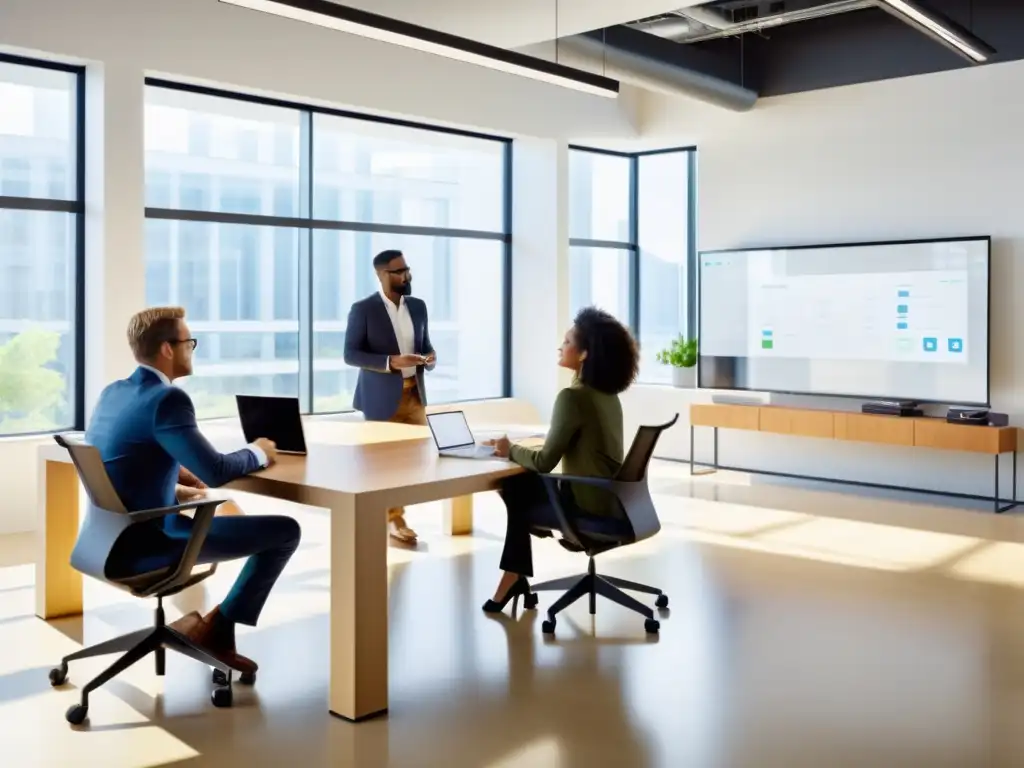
x=150, y=328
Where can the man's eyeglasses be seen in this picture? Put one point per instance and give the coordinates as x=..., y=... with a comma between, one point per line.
x=191, y=342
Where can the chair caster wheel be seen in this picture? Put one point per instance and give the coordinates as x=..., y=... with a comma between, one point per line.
x=661, y=602
x=76, y=714
x=222, y=697
x=652, y=626
x=59, y=675
x=548, y=627
x=221, y=679
x=530, y=601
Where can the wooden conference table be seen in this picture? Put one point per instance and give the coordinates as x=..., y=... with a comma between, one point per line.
x=357, y=470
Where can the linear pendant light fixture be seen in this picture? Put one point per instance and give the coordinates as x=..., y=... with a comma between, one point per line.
x=365, y=24
x=942, y=29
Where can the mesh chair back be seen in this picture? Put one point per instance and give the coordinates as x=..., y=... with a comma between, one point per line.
x=630, y=484
x=93, y=474
x=634, y=468
x=105, y=518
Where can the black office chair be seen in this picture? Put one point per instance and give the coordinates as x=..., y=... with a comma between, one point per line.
x=638, y=520
x=105, y=520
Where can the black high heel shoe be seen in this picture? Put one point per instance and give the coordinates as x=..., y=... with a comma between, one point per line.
x=520, y=587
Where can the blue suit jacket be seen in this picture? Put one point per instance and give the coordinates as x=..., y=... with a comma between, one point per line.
x=369, y=341
x=145, y=430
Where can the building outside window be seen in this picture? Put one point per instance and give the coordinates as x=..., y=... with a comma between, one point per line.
x=41, y=243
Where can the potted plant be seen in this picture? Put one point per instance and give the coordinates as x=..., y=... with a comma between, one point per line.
x=681, y=354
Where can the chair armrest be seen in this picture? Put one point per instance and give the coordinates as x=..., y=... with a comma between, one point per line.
x=152, y=514
x=200, y=527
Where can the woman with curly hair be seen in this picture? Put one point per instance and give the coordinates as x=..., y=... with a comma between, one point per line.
x=585, y=436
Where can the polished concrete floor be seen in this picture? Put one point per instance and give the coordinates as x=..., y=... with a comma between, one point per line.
x=807, y=628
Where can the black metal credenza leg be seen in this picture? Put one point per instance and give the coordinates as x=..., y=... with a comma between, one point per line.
x=708, y=470
x=997, y=502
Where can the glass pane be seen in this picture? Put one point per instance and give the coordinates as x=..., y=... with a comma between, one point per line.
x=37, y=132
x=599, y=277
x=664, y=250
x=372, y=172
x=37, y=314
x=461, y=282
x=598, y=196
x=206, y=153
x=229, y=279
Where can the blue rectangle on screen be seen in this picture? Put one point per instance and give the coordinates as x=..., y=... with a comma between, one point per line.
x=903, y=294
x=901, y=326
x=901, y=308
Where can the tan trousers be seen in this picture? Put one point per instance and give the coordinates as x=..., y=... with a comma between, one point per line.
x=410, y=411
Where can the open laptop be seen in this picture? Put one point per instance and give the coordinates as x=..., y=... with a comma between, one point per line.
x=454, y=438
x=275, y=418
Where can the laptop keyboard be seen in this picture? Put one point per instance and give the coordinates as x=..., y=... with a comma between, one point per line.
x=471, y=451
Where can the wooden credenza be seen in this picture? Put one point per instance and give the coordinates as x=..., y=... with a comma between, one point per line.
x=919, y=432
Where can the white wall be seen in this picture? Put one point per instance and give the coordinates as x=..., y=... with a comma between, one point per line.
x=931, y=156
x=204, y=41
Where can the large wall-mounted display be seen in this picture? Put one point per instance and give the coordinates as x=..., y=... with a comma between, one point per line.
x=896, y=320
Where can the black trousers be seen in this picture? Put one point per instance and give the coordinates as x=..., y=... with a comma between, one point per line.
x=527, y=504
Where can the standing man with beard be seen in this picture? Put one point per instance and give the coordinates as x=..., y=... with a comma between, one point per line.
x=388, y=341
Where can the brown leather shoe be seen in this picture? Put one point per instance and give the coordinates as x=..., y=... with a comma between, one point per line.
x=202, y=634
x=183, y=625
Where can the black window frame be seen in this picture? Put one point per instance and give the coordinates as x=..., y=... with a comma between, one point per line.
x=633, y=244
x=305, y=223
x=75, y=206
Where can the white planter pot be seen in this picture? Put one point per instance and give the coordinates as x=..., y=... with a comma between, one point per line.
x=684, y=378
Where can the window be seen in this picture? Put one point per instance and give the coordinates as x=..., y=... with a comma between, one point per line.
x=40, y=247
x=599, y=186
x=601, y=245
x=408, y=174
x=666, y=249
x=632, y=246
x=600, y=277
x=307, y=198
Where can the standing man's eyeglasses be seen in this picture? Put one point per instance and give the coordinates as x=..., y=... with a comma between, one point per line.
x=191, y=342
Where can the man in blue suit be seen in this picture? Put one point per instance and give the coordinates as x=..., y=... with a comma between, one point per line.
x=145, y=429
x=387, y=339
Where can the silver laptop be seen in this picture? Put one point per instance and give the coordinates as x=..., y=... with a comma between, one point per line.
x=454, y=438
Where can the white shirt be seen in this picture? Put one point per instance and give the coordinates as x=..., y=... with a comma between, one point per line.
x=401, y=322
x=261, y=457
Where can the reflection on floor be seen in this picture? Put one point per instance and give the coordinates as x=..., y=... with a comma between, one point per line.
x=813, y=629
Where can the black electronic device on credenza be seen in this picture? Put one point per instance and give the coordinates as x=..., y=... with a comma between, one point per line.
x=977, y=416
x=892, y=408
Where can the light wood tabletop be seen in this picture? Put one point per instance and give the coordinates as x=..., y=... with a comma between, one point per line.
x=357, y=470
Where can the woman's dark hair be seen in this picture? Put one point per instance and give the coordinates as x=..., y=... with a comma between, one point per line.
x=613, y=359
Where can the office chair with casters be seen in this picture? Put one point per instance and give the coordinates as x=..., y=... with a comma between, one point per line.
x=637, y=520
x=105, y=520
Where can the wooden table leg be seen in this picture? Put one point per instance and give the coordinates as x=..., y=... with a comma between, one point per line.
x=458, y=516
x=359, y=609
x=58, y=585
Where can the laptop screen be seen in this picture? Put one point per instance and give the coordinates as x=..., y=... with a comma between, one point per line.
x=451, y=430
x=275, y=418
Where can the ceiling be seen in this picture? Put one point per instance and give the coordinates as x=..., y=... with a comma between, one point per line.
x=516, y=23
x=683, y=46
x=857, y=46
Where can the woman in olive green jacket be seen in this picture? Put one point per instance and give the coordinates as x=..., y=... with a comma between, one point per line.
x=585, y=436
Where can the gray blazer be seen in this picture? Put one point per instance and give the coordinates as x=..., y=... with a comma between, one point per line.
x=369, y=341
